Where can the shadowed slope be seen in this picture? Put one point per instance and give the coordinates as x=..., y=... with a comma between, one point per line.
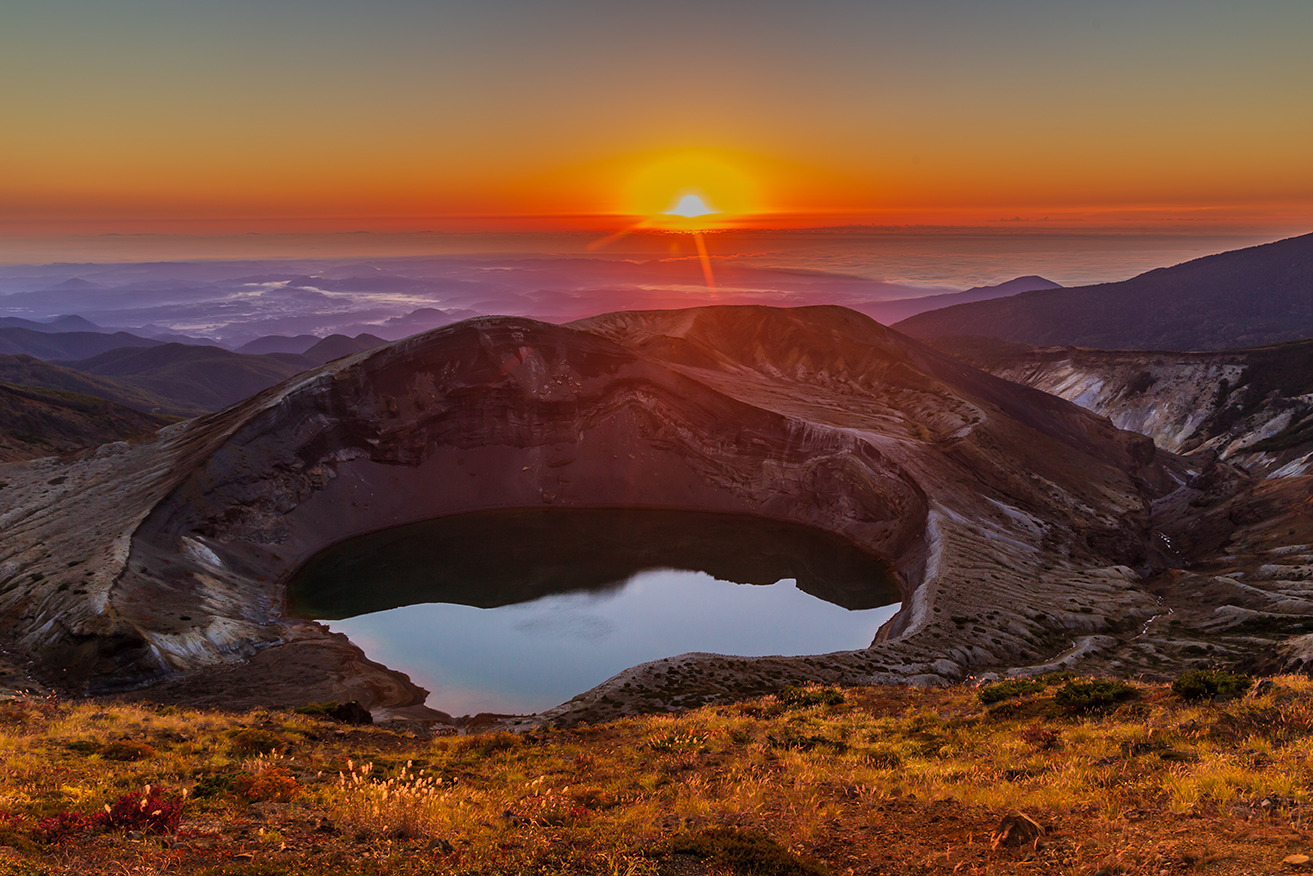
x=35, y=422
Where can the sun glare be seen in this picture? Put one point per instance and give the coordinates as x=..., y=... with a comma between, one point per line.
x=690, y=185
x=691, y=206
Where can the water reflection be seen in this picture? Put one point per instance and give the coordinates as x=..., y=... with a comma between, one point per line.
x=518, y=611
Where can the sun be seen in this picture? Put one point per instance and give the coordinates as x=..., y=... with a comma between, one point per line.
x=691, y=206
x=699, y=187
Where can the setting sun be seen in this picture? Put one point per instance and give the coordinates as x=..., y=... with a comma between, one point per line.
x=690, y=185
x=691, y=206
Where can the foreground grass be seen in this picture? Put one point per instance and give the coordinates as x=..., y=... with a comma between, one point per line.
x=864, y=781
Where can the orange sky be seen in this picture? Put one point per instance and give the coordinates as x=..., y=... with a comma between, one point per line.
x=166, y=115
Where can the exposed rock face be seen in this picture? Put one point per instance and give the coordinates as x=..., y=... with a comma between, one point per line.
x=1253, y=408
x=1013, y=517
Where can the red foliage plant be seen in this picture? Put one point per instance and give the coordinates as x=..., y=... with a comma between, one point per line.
x=62, y=825
x=151, y=810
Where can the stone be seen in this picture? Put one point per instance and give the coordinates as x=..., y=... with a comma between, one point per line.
x=1017, y=829
x=351, y=713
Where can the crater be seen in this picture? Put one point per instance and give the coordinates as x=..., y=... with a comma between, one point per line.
x=517, y=611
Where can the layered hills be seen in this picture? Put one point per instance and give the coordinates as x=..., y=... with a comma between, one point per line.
x=190, y=378
x=1027, y=533
x=1253, y=296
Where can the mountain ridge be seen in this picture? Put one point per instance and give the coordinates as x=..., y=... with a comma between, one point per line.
x=1251, y=296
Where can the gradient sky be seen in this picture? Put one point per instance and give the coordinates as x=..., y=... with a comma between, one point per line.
x=260, y=114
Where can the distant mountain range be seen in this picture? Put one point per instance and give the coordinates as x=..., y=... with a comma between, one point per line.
x=890, y=312
x=190, y=378
x=1259, y=295
x=314, y=349
x=29, y=372
x=17, y=340
x=71, y=323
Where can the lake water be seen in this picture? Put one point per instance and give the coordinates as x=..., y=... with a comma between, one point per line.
x=518, y=611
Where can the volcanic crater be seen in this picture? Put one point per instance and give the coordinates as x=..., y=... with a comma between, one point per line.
x=1025, y=532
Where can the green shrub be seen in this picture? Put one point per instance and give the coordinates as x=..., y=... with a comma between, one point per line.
x=791, y=740
x=483, y=744
x=678, y=740
x=1087, y=695
x=1210, y=684
x=252, y=740
x=127, y=750
x=746, y=852
x=800, y=697
x=212, y=786
x=1006, y=690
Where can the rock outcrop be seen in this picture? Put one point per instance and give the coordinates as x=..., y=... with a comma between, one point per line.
x=1252, y=408
x=1021, y=525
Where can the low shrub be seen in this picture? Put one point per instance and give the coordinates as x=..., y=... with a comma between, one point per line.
x=1041, y=738
x=484, y=744
x=126, y=750
x=63, y=825
x=212, y=786
x=791, y=740
x=252, y=740
x=800, y=697
x=154, y=809
x=679, y=740
x=1006, y=690
x=83, y=746
x=270, y=783
x=1210, y=684
x=1088, y=695
x=746, y=852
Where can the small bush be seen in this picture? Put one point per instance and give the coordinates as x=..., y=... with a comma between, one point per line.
x=485, y=744
x=126, y=750
x=252, y=740
x=83, y=746
x=1042, y=738
x=152, y=810
x=1089, y=695
x=63, y=825
x=270, y=783
x=212, y=786
x=746, y=852
x=1210, y=684
x=791, y=740
x=1006, y=690
x=800, y=697
x=680, y=740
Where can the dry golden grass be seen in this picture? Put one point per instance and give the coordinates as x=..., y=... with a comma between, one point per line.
x=891, y=780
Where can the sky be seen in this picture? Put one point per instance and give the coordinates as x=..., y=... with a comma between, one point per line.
x=304, y=115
